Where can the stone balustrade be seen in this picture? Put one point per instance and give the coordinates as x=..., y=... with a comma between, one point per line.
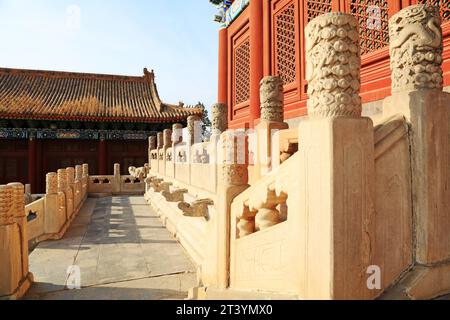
x=46, y=218
x=324, y=202
x=118, y=184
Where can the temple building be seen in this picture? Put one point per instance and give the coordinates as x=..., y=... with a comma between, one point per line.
x=265, y=37
x=51, y=120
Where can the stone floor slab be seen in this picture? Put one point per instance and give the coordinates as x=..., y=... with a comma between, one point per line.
x=123, y=252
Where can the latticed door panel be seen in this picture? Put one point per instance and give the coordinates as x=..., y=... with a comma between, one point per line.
x=443, y=4
x=285, y=51
x=241, y=67
x=315, y=8
x=373, y=17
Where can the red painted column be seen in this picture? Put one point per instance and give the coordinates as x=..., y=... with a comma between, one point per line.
x=256, y=57
x=101, y=157
x=32, y=162
x=223, y=66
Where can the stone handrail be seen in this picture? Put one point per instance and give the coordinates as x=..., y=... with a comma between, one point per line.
x=118, y=184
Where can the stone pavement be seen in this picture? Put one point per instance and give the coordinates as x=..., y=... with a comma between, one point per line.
x=123, y=252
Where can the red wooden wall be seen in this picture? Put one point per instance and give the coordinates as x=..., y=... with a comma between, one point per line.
x=282, y=51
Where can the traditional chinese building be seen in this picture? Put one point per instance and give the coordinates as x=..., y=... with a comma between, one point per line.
x=266, y=37
x=51, y=120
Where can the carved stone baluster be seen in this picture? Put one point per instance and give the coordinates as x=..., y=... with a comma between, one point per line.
x=246, y=224
x=268, y=215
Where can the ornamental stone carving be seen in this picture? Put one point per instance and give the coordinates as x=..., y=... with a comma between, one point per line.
x=272, y=99
x=6, y=214
x=160, y=140
x=219, y=121
x=416, y=48
x=177, y=133
x=152, y=143
x=333, y=59
x=167, y=138
x=51, y=183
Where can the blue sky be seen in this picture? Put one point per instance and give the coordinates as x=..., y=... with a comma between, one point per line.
x=176, y=38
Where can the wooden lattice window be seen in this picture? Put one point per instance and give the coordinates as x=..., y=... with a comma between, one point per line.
x=373, y=17
x=285, y=50
x=443, y=4
x=315, y=8
x=242, y=72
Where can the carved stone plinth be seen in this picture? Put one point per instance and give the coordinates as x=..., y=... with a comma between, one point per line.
x=416, y=48
x=333, y=66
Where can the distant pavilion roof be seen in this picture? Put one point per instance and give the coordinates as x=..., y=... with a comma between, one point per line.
x=50, y=95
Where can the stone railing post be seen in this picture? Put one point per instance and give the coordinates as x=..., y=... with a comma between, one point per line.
x=194, y=130
x=167, y=143
x=85, y=180
x=117, y=179
x=272, y=120
x=70, y=194
x=232, y=171
x=177, y=134
x=416, y=48
x=78, y=186
x=337, y=157
x=219, y=122
x=160, y=146
x=62, y=201
x=151, y=146
x=53, y=221
x=15, y=278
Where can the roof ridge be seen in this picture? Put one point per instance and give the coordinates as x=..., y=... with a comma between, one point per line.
x=70, y=74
